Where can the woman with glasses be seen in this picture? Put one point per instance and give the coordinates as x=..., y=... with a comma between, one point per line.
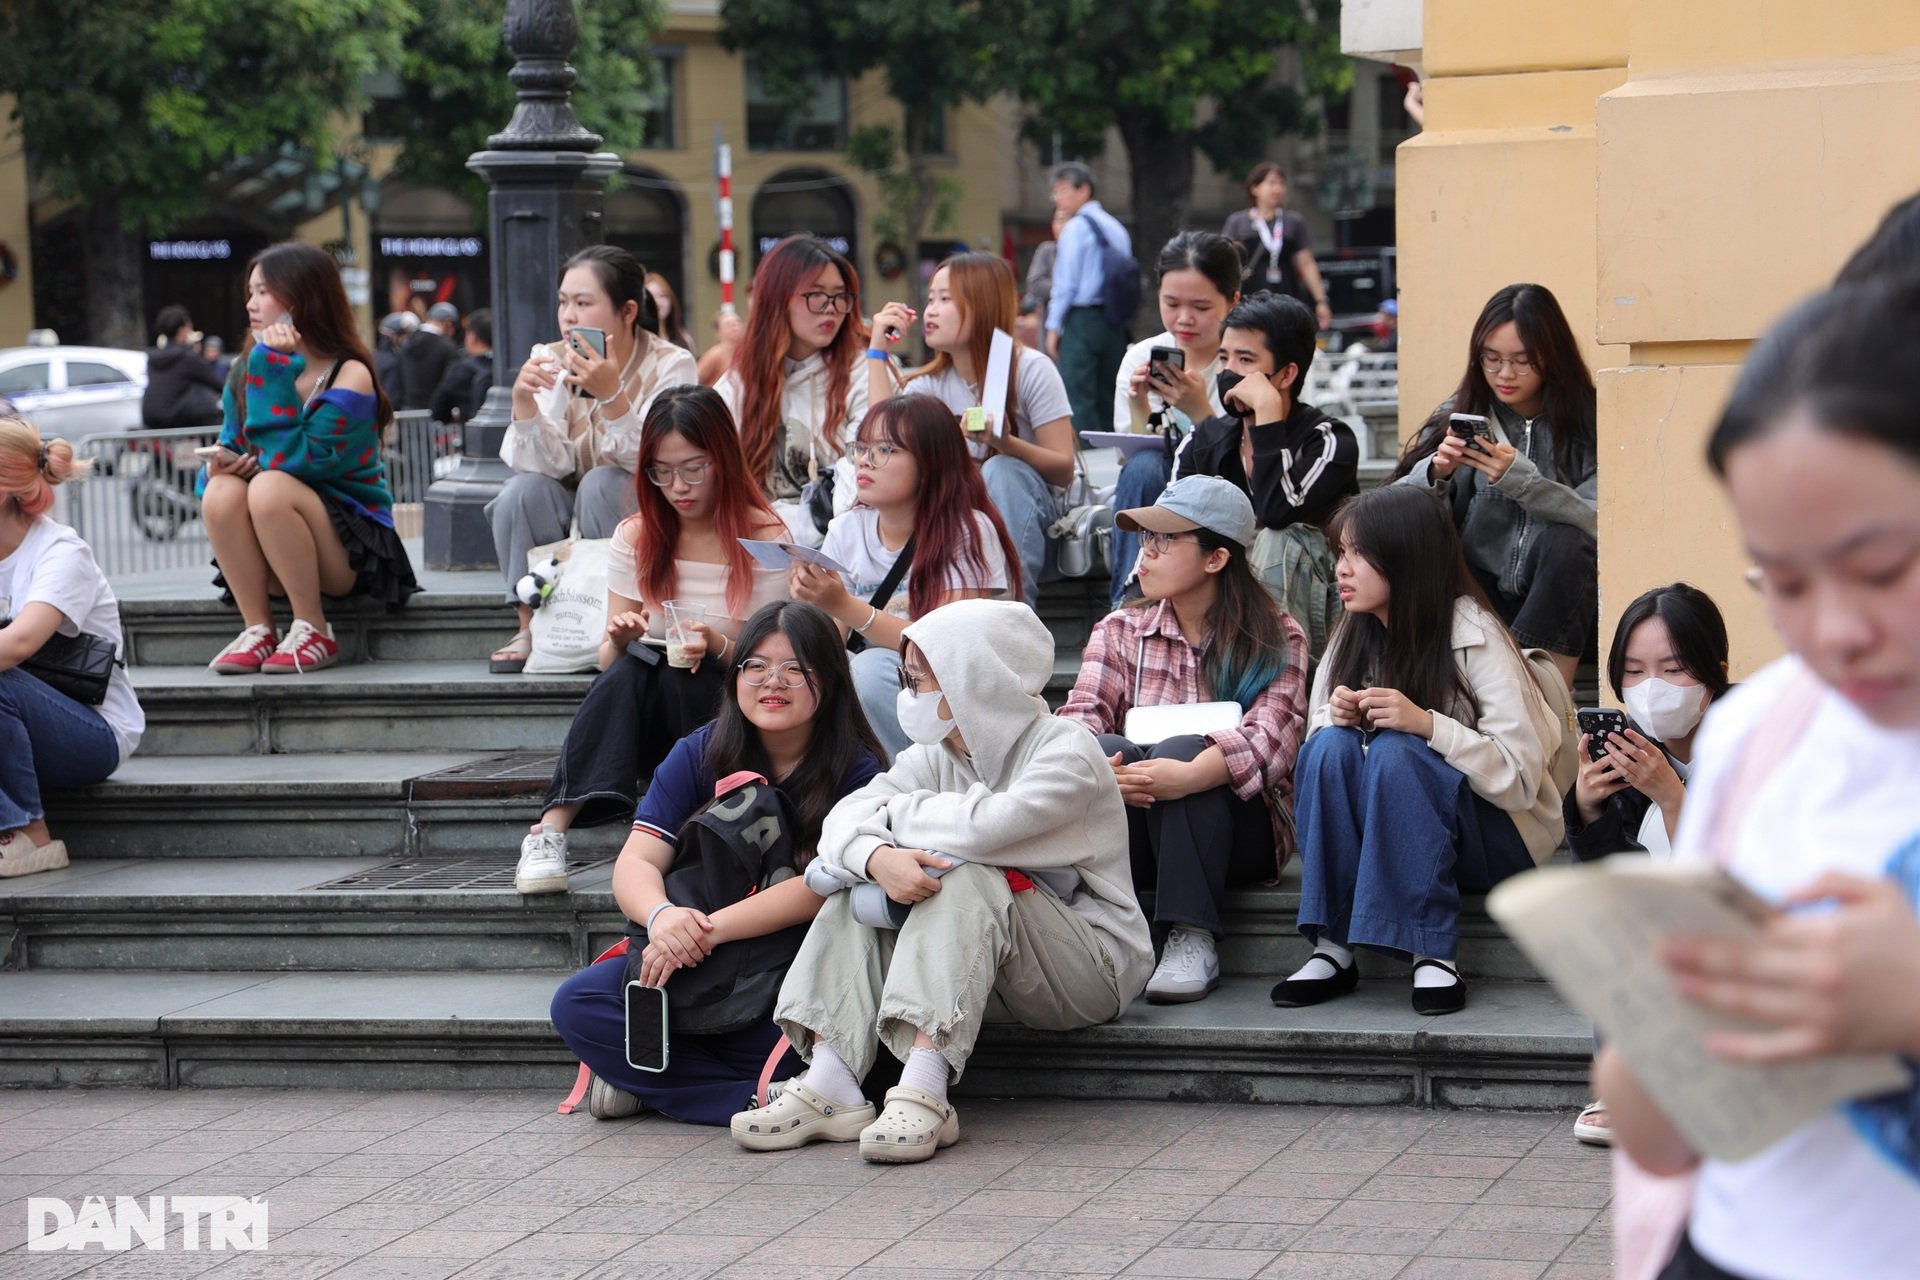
x=800, y=382
x=921, y=500
x=1207, y=808
x=1523, y=498
x=788, y=714
x=697, y=501
x=578, y=403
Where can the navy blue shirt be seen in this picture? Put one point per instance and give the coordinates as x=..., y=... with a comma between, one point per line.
x=683, y=785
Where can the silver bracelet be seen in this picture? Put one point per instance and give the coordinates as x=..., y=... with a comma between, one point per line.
x=873, y=611
x=655, y=915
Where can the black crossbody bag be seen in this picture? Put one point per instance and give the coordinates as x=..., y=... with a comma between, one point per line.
x=78, y=666
x=857, y=643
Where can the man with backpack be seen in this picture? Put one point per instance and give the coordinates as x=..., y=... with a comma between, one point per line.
x=1096, y=286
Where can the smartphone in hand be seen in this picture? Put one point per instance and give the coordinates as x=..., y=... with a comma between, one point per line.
x=1473, y=428
x=1597, y=723
x=594, y=339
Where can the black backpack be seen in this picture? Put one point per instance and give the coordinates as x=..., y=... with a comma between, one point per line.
x=740, y=844
x=1120, y=276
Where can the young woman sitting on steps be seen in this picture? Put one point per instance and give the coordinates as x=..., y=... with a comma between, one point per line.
x=696, y=501
x=788, y=714
x=296, y=502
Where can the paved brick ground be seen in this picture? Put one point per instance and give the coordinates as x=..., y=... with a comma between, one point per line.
x=423, y=1186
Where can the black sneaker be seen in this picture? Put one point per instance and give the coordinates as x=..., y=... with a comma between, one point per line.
x=1298, y=993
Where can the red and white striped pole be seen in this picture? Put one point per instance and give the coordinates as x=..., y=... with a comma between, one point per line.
x=723, y=171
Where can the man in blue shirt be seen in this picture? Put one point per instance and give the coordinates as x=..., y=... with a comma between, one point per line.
x=1080, y=338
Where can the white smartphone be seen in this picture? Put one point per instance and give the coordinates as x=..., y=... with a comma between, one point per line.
x=220, y=451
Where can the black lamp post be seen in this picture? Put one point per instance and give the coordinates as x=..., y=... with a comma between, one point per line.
x=547, y=177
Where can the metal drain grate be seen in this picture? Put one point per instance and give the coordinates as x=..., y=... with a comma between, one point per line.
x=414, y=874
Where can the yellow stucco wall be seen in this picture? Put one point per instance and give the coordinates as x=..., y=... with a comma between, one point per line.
x=16, y=299
x=1679, y=172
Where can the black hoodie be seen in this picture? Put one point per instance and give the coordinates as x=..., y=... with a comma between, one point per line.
x=1302, y=468
x=182, y=390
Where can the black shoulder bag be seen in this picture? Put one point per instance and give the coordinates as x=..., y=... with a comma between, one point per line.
x=857, y=643
x=78, y=666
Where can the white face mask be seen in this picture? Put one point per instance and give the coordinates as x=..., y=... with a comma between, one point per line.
x=920, y=717
x=1664, y=709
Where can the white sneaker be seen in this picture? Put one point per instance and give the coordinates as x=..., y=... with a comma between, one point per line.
x=543, y=862
x=1189, y=968
x=605, y=1102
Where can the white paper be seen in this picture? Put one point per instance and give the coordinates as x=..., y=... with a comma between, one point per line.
x=993, y=395
x=782, y=555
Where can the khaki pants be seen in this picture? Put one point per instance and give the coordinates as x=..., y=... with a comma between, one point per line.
x=974, y=952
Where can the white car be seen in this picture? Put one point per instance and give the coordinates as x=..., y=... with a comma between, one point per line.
x=75, y=391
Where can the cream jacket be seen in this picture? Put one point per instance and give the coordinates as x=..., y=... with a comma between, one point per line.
x=569, y=435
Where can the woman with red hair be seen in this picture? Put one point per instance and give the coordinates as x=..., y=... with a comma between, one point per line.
x=800, y=385
x=697, y=500
x=49, y=587
x=921, y=500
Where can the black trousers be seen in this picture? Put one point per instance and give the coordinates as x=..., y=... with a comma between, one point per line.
x=632, y=715
x=1687, y=1264
x=1192, y=850
x=1558, y=608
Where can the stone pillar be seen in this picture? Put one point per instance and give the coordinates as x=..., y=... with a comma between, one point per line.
x=547, y=176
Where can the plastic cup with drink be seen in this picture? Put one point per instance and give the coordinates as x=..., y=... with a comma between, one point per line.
x=683, y=619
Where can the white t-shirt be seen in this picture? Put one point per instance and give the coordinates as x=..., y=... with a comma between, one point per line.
x=1823, y=1201
x=1039, y=395
x=1135, y=357
x=53, y=566
x=853, y=540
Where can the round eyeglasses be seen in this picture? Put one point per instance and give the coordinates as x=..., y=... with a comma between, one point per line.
x=757, y=672
x=876, y=456
x=1493, y=362
x=663, y=475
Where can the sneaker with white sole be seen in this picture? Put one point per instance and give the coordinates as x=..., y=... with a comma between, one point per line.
x=244, y=656
x=604, y=1102
x=306, y=648
x=1189, y=968
x=20, y=856
x=543, y=862
x=1592, y=1126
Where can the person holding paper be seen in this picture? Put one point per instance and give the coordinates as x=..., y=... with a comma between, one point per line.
x=1026, y=448
x=1296, y=462
x=1209, y=807
x=1199, y=284
x=684, y=544
x=1805, y=790
x=798, y=387
x=1426, y=769
x=1033, y=920
x=922, y=500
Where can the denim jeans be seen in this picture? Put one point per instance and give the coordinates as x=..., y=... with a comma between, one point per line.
x=876, y=682
x=46, y=740
x=1027, y=507
x=707, y=1079
x=1390, y=834
x=1142, y=480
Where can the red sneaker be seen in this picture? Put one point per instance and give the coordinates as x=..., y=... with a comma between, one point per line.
x=244, y=656
x=306, y=648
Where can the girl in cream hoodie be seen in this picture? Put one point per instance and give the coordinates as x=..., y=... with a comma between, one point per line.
x=1004, y=829
x=1426, y=771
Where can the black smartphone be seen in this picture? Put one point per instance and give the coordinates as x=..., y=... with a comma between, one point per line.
x=1471, y=427
x=646, y=1027
x=1166, y=355
x=594, y=338
x=1597, y=723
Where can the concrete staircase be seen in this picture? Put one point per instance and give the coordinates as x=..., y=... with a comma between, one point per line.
x=308, y=881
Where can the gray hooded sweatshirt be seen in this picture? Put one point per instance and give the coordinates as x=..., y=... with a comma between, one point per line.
x=1031, y=792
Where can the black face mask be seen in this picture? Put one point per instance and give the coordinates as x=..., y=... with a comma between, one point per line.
x=1225, y=381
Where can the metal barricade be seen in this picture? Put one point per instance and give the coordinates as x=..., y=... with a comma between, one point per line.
x=140, y=514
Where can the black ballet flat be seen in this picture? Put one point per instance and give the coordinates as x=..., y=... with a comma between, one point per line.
x=1298, y=993
x=1432, y=1001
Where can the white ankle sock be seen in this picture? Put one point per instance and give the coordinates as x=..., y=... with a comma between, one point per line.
x=831, y=1077
x=926, y=1071
x=1427, y=975
x=1328, y=959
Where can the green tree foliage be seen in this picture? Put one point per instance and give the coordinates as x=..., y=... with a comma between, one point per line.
x=455, y=92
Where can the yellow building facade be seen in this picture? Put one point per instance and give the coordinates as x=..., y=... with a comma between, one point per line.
x=16, y=230
x=1679, y=173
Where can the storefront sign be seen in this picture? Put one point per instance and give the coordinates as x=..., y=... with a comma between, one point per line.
x=431, y=247
x=189, y=250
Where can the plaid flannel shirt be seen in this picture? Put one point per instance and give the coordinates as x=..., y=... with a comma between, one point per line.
x=1145, y=646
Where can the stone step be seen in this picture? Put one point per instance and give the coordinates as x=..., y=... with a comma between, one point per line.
x=270, y=914
x=1515, y=1045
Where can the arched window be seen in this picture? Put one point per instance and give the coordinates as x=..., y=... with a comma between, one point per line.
x=814, y=200
x=646, y=214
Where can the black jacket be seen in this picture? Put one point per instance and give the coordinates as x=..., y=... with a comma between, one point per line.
x=386, y=368
x=424, y=359
x=1302, y=468
x=182, y=390
x=464, y=389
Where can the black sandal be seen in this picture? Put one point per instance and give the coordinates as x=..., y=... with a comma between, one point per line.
x=1437, y=1000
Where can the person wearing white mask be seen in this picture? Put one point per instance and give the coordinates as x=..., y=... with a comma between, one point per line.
x=1667, y=663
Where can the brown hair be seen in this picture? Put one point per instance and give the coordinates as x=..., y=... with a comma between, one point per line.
x=308, y=282
x=1260, y=173
x=982, y=285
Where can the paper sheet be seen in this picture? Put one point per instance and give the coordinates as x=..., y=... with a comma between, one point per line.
x=781, y=555
x=1596, y=931
x=993, y=393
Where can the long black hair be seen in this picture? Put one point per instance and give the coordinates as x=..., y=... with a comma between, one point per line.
x=1408, y=536
x=1208, y=252
x=1847, y=361
x=841, y=733
x=1693, y=623
x=1569, y=394
x=1892, y=252
x=1248, y=649
x=624, y=279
